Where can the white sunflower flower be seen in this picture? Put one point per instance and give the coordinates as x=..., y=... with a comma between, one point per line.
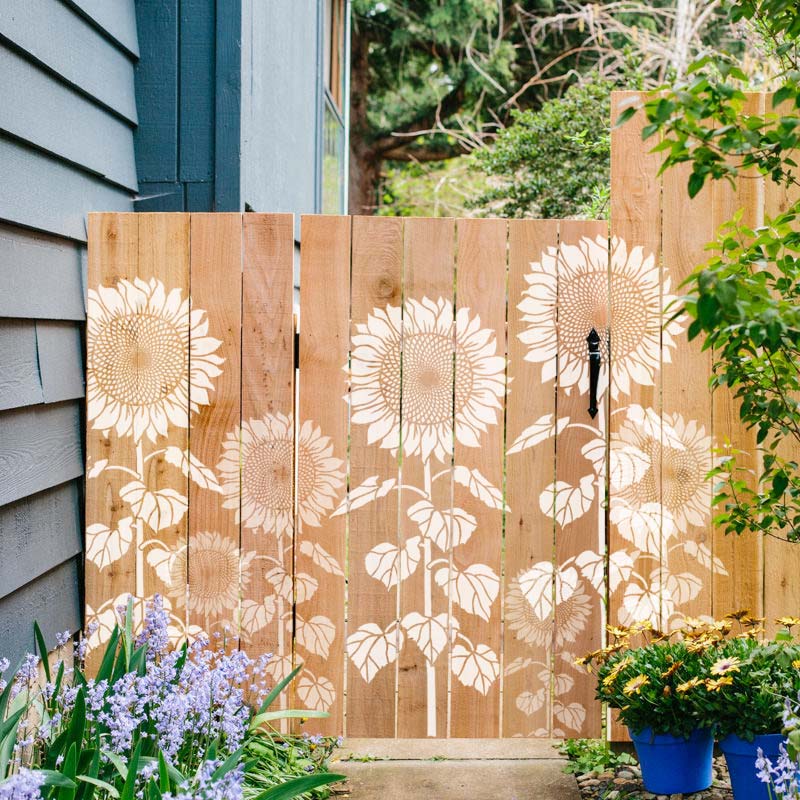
x=571, y=290
x=451, y=378
x=150, y=361
x=257, y=469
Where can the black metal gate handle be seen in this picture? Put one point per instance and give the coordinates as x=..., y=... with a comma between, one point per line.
x=593, y=340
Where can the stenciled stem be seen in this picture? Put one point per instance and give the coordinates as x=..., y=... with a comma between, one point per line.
x=430, y=671
x=140, y=528
x=282, y=623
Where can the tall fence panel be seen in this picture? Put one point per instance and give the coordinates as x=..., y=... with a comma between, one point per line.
x=417, y=505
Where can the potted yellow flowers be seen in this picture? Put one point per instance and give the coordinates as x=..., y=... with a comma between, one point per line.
x=650, y=683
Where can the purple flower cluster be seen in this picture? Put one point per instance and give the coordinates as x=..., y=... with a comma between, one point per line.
x=182, y=703
x=203, y=787
x=782, y=775
x=23, y=785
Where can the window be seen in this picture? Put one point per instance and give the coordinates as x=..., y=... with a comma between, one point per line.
x=333, y=125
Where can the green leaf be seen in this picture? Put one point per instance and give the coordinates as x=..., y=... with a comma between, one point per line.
x=696, y=181
x=298, y=786
x=42, y=648
x=109, y=656
x=100, y=784
x=54, y=778
x=625, y=116
x=278, y=688
x=163, y=773
x=8, y=738
x=129, y=786
x=268, y=716
x=118, y=763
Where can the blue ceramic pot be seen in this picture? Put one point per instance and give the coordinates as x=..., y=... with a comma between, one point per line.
x=674, y=765
x=741, y=755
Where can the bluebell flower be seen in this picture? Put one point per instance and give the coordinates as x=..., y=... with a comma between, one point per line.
x=24, y=785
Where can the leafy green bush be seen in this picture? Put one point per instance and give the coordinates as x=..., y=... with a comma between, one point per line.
x=592, y=755
x=154, y=723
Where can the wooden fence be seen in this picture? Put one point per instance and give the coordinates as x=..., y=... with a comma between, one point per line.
x=414, y=501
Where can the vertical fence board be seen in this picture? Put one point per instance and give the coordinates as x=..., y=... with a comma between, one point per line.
x=113, y=256
x=266, y=439
x=781, y=558
x=742, y=556
x=636, y=220
x=529, y=533
x=164, y=256
x=476, y=565
x=686, y=410
x=582, y=287
x=428, y=276
x=214, y=558
x=377, y=276
x=322, y=438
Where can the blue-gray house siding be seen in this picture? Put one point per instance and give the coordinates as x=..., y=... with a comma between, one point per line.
x=67, y=115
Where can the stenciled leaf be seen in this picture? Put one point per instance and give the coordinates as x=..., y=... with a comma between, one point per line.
x=480, y=487
x=96, y=468
x=648, y=526
x=315, y=635
x=255, y=616
x=321, y=557
x=567, y=502
x=318, y=694
x=477, y=667
x=302, y=588
x=160, y=509
x=370, y=490
x=371, y=648
x=474, y=589
x=530, y=702
x=104, y=546
x=447, y=529
x=192, y=468
x=542, y=429
x=571, y=715
x=390, y=565
x=703, y=555
x=429, y=633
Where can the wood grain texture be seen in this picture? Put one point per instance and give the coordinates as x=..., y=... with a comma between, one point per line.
x=164, y=255
x=113, y=256
x=583, y=304
x=481, y=293
x=636, y=219
x=214, y=560
x=422, y=710
x=686, y=403
x=377, y=278
x=324, y=345
x=781, y=558
x=742, y=556
x=529, y=534
x=268, y=389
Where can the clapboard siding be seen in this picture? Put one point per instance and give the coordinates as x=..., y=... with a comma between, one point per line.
x=41, y=447
x=116, y=18
x=44, y=193
x=53, y=35
x=37, y=534
x=67, y=117
x=20, y=384
x=63, y=122
x=40, y=276
x=51, y=599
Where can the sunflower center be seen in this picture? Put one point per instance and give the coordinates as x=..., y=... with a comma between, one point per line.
x=267, y=473
x=306, y=475
x=139, y=359
x=213, y=573
x=583, y=304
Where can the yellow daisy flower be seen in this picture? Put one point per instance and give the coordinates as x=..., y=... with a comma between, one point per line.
x=715, y=684
x=672, y=670
x=635, y=685
x=687, y=686
x=725, y=665
x=788, y=622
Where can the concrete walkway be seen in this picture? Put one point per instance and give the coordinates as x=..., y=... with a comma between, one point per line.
x=453, y=769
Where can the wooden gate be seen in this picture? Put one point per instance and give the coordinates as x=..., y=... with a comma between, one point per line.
x=413, y=500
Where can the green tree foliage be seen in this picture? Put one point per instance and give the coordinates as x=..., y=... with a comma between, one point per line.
x=745, y=302
x=553, y=162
